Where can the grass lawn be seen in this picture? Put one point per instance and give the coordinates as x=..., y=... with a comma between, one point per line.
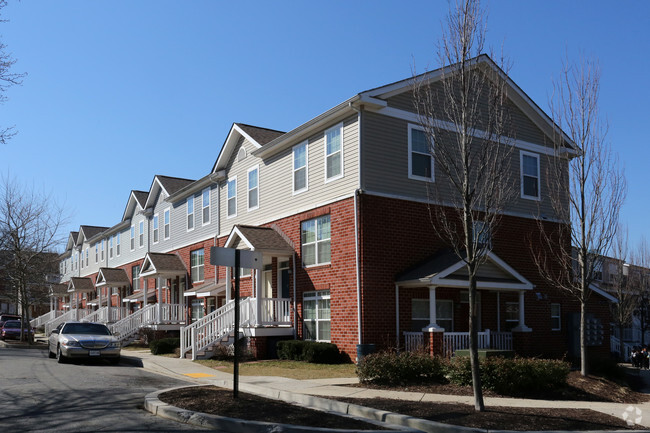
x=284, y=368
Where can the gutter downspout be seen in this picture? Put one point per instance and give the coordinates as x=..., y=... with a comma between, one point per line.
x=356, y=224
x=295, y=312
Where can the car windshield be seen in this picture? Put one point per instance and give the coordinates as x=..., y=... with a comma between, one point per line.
x=12, y=325
x=86, y=328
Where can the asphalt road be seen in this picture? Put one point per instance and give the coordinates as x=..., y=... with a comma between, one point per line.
x=39, y=395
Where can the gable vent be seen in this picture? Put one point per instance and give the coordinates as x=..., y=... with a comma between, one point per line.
x=241, y=155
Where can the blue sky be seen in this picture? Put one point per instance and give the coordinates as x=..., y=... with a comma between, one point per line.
x=119, y=91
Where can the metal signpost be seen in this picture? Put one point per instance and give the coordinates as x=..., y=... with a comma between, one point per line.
x=231, y=257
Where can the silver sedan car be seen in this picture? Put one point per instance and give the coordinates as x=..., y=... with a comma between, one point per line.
x=83, y=340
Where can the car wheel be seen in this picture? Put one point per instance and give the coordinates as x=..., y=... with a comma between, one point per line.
x=50, y=354
x=59, y=356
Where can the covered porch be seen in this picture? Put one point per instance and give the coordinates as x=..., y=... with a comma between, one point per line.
x=436, y=293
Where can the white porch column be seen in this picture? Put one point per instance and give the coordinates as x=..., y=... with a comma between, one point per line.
x=522, y=323
x=258, y=298
x=51, y=303
x=109, y=304
x=433, y=326
x=144, y=292
x=228, y=284
x=159, y=307
x=76, y=306
x=99, y=298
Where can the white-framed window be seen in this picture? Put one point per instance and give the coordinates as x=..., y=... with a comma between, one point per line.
x=245, y=272
x=141, y=234
x=253, y=188
x=190, y=213
x=334, y=153
x=205, y=206
x=132, y=237
x=317, y=315
x=512, y=315
x=420, y=314
x=481, y=235
x=118, y=244
x=197, y=265
x=556, y=317
x=110, y=247
x=82, y=259
x=232, y=197
x=598, y=269
x=420, y=157
x=96, y=253
x=103, y=240
x=300, y=167
x=135, y=278
x=87, y=254
x=155, y=229
x=529, y=175
x=167, y=223
x=315, y=235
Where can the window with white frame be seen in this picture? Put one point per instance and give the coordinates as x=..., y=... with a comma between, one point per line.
x=420, y=314
x=300, y=161
x=205, y=206
x=141, y=233
x=556, y=317
x=132, y=237
x=118, y=243
x=190, y=213
x=481, y=235
x=82, y=260
x=96, y=253
x=110, y=247
x=103, y=240
x=598, y=269
x=135, y=277
x=197, y=265
x=316, y=241
x=512, y=315
x=317, y=315
x=232, y=197
x=253, y=188
x=420, y=157
x=334, y=152
x=166, y=223
x=87, y=254
x=155, y=229
x=529, y=175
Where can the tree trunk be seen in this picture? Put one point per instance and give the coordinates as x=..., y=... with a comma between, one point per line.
x=583, y=341
x=479, y=405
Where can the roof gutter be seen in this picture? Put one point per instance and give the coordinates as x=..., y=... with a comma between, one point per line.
x=198, y=185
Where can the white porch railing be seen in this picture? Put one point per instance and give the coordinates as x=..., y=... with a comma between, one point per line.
x=275, y=311
x=414, y=341
x=214, y=326
x=73, y=314
x=42, y=320
x=101, y=315
x=453, y=341
x=172, y=313
x=128, y=326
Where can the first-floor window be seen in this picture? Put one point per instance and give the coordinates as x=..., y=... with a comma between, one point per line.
x=135, y=277
x=556, y=317
x=196, y=263
x=512, y=315
x=197, y=309
x=316, y=241
x=316, y=314
x=420, y=316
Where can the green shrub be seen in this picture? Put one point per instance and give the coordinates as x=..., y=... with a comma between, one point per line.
x=391, y=368
x=511, y=376
x=164, y=345
x=309, y=351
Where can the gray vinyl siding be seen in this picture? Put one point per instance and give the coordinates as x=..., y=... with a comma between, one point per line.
x=385, y=168
x=276, y=198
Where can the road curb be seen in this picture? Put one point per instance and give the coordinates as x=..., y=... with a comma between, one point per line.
x=18, y=345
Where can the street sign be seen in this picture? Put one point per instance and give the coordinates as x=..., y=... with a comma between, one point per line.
x=226, y=257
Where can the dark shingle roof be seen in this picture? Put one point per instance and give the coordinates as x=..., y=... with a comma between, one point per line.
x=264, y=238
x=141, y=197
x=81, y=285
x=173, y=184
x=59, y=289
x=164, y=262
x=261, y=135
x=433, y=265
x=114, y=277
x=92, y=231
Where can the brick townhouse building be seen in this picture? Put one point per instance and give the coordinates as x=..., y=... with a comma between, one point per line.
x=341, y=216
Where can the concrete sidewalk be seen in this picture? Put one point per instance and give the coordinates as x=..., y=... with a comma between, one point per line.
x=196, y=373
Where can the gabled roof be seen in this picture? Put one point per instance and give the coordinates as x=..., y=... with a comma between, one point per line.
x=58, y=290
x=112, y=277
x=256, y=135
x=72, y=240
x=86, y=233
x=445, y=268
x=162, y=264
x=263, y=239
x=169, y=185
x=136, y=198
x=80, y=285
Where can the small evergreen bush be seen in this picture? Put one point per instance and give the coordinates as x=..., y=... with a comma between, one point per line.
x=309, y=351
x=164, y=345
x=389, y=368
x=290, y=349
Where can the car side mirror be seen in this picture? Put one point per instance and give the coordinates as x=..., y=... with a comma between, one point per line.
x=56, y=331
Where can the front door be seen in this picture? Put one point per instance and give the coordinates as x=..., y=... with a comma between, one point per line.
x=267, y=293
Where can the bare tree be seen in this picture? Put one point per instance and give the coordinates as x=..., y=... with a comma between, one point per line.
x=639, y=281
x=622, y=284
x=29, y=235
x=465, y=120
x=589, y=197
x=7, y=79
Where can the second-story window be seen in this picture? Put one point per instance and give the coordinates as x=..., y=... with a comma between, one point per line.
x=232, y=197
x=110, y=247
x=334, y=152
x=118, y=244
x=87, y=254
x=205, y=201
x=420, y=158
x=103, y=240
x=166, y=223
x=300, y=160
x=96, y=253
x=253, y=188
x=155, y=229
x=316, y=241
x=190, y=213
x=132, y=238
x=529, y=175
x=141, y=234
x=196, y=263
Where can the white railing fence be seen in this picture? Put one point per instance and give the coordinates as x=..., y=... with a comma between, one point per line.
x=126, y=327
x=452, y=341
x=42, y=320
x=73, y=314
x=172, y=313
x=275, y=311
x=414, y=341
x=99, y=315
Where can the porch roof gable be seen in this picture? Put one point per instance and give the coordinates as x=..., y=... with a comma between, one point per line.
x=445, y=268
x=264, y=239
x=80, y=285
x=162, y=264
x=112, y=277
